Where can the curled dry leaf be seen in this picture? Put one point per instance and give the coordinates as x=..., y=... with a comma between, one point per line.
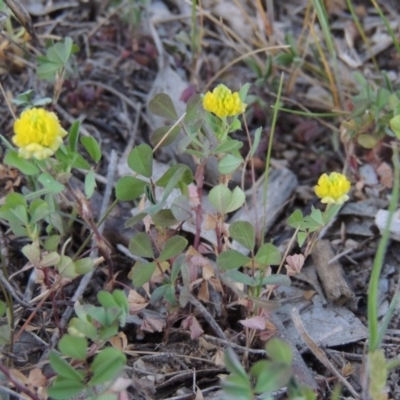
x=218, y=358
x=36, y=378
x=258, y=323
x=136, y=302
x=294, y=264
x=348, y=369
x=152, y=325
x=204, y=294
x=119, y=341
x=269, y=331
x=335, y=7
x=385, y=174
x=261, y=323
x=193, y=325
x=199, y=394
x=193, y=195
x=210, y=222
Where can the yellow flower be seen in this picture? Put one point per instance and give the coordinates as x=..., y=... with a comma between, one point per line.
x=223, y=103
x=38, y=133
x=333, y=188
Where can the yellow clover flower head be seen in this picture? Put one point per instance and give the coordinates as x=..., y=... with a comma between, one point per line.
x=333, y=188
x=223, y=103
x=38, y=133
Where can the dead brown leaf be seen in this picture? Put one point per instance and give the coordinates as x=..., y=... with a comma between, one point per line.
x=136, y=302
x=193, y=325
x=204, y=294
x=335, y=6
x=385, y=174
x=257, y=323
x=294, y=264
x=152, y=325
x=119, y=341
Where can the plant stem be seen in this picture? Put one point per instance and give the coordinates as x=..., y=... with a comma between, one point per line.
x=199, y=176
x=373, y=289
x=268, y=159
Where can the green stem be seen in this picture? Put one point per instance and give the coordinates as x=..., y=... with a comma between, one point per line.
x=312, y=114
x=87, y=240
x=360, y=29
x=387, y=24
x=268, y=160
x=38, y=193
x=373, y=289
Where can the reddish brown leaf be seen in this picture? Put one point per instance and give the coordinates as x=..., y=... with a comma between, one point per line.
x=385, y=174
x=193, y=325
x=294, y=264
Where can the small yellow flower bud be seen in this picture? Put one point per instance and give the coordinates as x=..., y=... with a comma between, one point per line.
x=333, y=188
x=38, y=133
x=223, y=103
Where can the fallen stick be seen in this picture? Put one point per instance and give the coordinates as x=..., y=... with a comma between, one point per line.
x=333, y=282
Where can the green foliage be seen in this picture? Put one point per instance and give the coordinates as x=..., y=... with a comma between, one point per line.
x=105, y=367
x=35, y=216
x=141, y=246
x=49, y=183
x=229, y=164
x=132, y=13
x=24, y=218
x=129, y=188
x=74, y=347
x=173, y=247
x=27, y=100
x=92, y=147
x=26, y=167
x=265, y=377
x=224, y=200
x=162, y=105
x=5, y=329
x=375, y=114
x=268, y=254
x=142, y=273
x=3, y=308
x=313, y=222
x=231, y=259
x=140, y=160
x=90, y=183
x=56, y=59
x=378, y=374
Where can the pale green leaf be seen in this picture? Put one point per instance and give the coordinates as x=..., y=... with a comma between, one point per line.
x=142, y=272
x=90, y=183
x=107, y=365
x=26, y=167
x=72, y=346
x=159, y=134
x=161, y=104
x=92, y=147
x=244, y=233
x=140, y=160
x=229, y=164
x=173, y=247
x=231, y=259
x=268, y=254
x=141, y=246
x=50, y=183
x=220, y=197
x=237, y=200
x=129, y=188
